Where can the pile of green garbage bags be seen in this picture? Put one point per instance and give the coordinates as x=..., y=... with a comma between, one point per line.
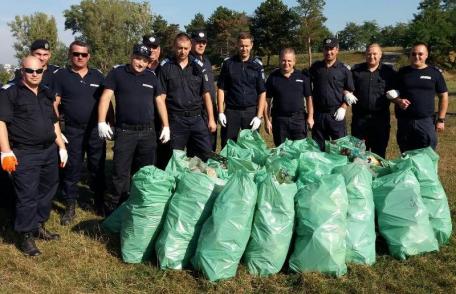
x=290, y=207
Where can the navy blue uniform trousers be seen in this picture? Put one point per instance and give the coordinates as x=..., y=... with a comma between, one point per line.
x=327, y=128
x=289, y=127
x=236, y=120
x=374, y=129
x=416, y=133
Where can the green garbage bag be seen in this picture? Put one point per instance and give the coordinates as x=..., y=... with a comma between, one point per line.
x=150, y=191
x=252, y=140
x=237, y=163
x=293, y=148
x=361, y=213
x=314, y=164
x=429, y=152
x=349, y=146
x=283, y=167
x=321, y=215
x=272, y=227
x=226, y=232
x=113, y=223
x=232, y=149
x=403, y=219
x=220, y=168
x=432, y=192
x=178, y=164
x=188, y=209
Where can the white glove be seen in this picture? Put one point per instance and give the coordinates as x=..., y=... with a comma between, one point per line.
x=392, y=94
x=165, y=135
x=340, y=114
x=255, y=123
x=63, y=157
x=65, y=140
x=104, y=130
x=350, y=98
x=222, y=119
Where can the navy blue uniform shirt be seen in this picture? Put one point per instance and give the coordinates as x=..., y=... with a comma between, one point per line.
x=419, y=86
x=328, y=84
x=371, y=88
x=48, y=76
x=288, y=93
x=29, y=118
x=242, y=81
x=210, y=75
x=79, y=95
x=134, y=93
x=183, y=86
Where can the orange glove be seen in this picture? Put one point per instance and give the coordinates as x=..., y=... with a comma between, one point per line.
x=9, y=161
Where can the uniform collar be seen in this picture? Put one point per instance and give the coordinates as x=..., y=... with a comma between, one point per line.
x=129, y=70
x=41, y=87
x=238, y=58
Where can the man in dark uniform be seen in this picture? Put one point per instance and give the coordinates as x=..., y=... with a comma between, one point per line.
x=29, y=132
x=418, y=83
x=153, y=42
x=371, y=115
x=242, y=82
x=134, y=88
x=332, y=84
x=287, y=88
x=78, y=89
x=182, y=83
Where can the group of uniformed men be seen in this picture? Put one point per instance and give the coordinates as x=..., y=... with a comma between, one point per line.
x=177, y=97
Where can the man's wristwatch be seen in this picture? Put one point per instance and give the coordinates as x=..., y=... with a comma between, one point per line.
x=441, y=120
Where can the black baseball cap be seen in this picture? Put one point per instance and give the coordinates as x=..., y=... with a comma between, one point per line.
x=330, y=43
x=151, y=40
x=199, y=36
x=141, y=50
x=40, y=44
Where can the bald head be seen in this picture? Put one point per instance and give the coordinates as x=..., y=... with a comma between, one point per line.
x=373, y=55
x=32, y=71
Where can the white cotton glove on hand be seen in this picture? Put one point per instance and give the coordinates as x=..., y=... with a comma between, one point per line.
x=222, y=119
x=165, y=135
x=255, y=123
x=350, y=99
x=339, y=115
x=65, y=140
x=104, y=130
x=392, y=94
x=63, y=154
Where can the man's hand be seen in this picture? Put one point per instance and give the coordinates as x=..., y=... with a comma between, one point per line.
x=268, y=127
x=165, y=135
x=350, y=98
x=339, y=115
x=402, y=103
x=310, y=122
x=212, y=126
x=63, y=154
x=222, y=119
x=255, y=123
x=104, y=130
x=9, y=161
x=440, y=126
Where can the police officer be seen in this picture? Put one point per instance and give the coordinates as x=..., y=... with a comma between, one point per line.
x=182, y=82
x=371, y=116
x=287, y=88
x=418, y=83
x=241, y=80
x=332, y=87
x=134, y=88
x=29, y=132
x=78, y=89
x=153, y=42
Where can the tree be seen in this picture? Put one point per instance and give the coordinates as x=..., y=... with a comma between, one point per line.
x=356, y=37
x=394, y=35
x=110, y=27
x=166, y=32
x=28, y=28
x=273, y=27
x=197, y=23
x=312, y=28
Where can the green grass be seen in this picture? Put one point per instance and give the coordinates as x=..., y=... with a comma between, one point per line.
x=87, y=260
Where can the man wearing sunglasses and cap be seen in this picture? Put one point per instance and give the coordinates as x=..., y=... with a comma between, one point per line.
x=29, y=136
x=78, y=89
x=153, y=42
x=134, y=87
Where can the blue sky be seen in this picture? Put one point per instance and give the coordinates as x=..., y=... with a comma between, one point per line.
x=338, y=12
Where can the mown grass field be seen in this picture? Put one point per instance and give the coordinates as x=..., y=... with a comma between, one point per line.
x=87, y=260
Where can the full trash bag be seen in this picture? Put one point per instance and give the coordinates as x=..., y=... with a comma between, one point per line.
x=293, y=148
x=314, y=164
x=252, y=140
x=226, y=232
x=113, y=223
x=403, y=219
x=321, y=229
x=361, y=213
x=349, y=146
x=178, y=164
x=150, y=191
x=272, y=227
x=188, y=209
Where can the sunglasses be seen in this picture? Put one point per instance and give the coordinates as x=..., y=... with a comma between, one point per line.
x=77, y=54
x=31, y=70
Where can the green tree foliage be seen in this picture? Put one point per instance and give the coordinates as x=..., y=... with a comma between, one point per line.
x=28, y=28
x=273, y=27
x=166, y=32
x=356, y=37
x=197, y=23
x=394, y=35
x=110, y=27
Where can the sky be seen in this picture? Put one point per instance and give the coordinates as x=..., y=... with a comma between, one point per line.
x=337, y=12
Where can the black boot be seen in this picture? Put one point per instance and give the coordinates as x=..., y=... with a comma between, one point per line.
x=43, y=234
x=28, y=246
x=69, y=214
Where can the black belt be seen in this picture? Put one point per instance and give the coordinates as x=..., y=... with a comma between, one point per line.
x=241, y=107
x=142, y=127
x=188, y=113
x=288, y=114
x=77, y=125
x=31, y=147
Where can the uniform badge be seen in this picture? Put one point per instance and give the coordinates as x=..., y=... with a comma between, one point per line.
x=152, y=39
x=46, y=46
x=148, y=86
x=201, y=34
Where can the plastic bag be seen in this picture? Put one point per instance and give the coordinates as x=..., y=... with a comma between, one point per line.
x=349, y=146
x=252, y=140
x=178, y=164
x=113, y=223
x=314, y=164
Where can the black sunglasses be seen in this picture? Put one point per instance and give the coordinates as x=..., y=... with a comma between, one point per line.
x=31, y=70
x=77, y=54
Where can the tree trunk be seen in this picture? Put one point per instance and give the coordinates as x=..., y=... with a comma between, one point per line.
x=309, y=51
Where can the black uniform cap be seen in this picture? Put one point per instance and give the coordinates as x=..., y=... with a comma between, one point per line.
x=151, y=40
x=330, y=43
x=199, y=36
x=40, y=44
x=141, y=50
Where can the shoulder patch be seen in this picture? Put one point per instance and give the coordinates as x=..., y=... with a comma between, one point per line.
x=98, y=70
x=197, y=61
x=437, y=68
x=56, y=70
x=347, y=66
x=151, y=71
x=164, y=61
x=257, y=60
x=118, y=65
x=6, y=86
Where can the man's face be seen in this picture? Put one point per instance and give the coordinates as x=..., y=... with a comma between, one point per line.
x=418, y=56
x=154, y=53
x=79, y=56
x=182, y=49
x=29, y=69
x=245, y=46
x=139, y=63
x=199, y=47
x=373, y=56
x=43, y=55
x=287, y=62
x=330, y=53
